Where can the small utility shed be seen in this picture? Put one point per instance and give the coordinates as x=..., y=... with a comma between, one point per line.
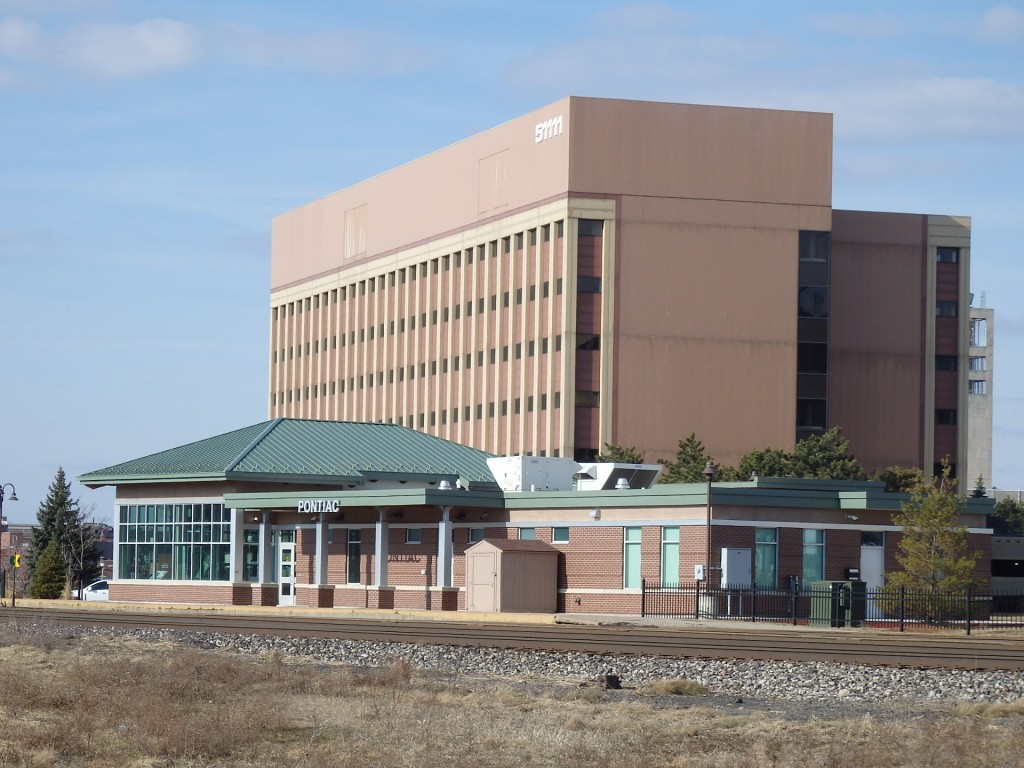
x=507, y=575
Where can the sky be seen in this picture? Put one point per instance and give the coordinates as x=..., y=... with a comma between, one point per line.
x=145, y=147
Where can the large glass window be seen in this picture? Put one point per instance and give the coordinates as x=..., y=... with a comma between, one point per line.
x=669, y=556
x=766, y=557
x=631, y=557
x=184, y=542
x=814, y=555
x=251, y=555
x=354, y=541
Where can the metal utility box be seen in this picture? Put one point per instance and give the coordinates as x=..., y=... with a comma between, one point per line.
x=838, y=603
x=509, y=575
x=736, y=568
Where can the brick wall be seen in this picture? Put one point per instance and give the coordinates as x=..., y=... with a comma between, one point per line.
x=203, y=594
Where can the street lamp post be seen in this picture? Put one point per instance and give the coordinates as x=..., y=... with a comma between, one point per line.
x=14, y=497
x=709, y=475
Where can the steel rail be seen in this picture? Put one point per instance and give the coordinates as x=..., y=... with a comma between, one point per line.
x=872, y=647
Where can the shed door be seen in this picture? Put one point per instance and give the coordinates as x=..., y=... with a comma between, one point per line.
x=483, y=580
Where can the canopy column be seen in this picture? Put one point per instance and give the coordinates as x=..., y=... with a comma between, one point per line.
x=380, y=553
x=266, y=561
x=237, y=517
x=444, y=548
x=321, y=550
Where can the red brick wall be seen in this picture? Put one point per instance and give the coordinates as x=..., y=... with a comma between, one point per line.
x=157, y=592
x=602, y=602
x=842, y=551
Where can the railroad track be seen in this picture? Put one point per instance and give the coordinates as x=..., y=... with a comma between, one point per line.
x=684, y=641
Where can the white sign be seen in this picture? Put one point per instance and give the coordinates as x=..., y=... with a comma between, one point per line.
x=547, y=129
x=312, y=506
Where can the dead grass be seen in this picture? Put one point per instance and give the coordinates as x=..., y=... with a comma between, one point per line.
x=98, y=702
x=676, y=687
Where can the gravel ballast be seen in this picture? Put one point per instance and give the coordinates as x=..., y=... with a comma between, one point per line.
x=821, y=683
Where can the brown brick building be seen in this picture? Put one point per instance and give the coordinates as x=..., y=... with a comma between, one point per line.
x=604, y=271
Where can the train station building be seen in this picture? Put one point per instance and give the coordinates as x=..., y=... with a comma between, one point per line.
x=346, y=514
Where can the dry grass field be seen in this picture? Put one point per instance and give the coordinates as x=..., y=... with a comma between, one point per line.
x=116, y=702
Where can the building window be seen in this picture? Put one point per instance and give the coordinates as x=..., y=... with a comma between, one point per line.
x=977, y=387
x=413, y=535
x=766, y=557
x=631, y=539
x=811, y=357
x=945, y=254
x=185, y=542
x=475, y=535
x=979, y=332
x=559, y=535
x=945, y=308
x=945, y=416
x=978, y=364
x=946, y=362
x=815, y=246
x=814, y=555
x=527, y=534
x=588, y=284
x=670, y=556
x=352, y=570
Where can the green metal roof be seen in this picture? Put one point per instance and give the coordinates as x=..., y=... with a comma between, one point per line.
x=302, y=450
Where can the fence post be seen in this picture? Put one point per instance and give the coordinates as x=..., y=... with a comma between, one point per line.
x=901, y=605
x=643, y=597
x=792, y=600
x=753, y=603
x=968, y=610
x=696, y=601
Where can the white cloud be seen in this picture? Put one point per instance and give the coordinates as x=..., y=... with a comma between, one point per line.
x=129, y=50
x=334, y=51
x=882, y=166
x=102, y=50
x=19, y=39
x=924, y=108
x=1002, y=23
x=855, y=25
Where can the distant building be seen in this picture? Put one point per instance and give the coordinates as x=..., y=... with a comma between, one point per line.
x=605, y=271
x=979, y=398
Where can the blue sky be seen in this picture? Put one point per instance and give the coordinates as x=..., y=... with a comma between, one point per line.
x=145, y=147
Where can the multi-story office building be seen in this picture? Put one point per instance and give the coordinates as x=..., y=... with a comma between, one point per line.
x=604, y=271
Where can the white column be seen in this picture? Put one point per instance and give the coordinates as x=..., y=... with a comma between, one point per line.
x=321, y=550
x=266, y=566
x=116, y=554
x=380, y=551
x=444, y=548
x=235, y=551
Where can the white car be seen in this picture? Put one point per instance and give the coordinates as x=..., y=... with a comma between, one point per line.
x=98, y=590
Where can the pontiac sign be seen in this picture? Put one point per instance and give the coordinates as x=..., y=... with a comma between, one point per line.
x=313, y=506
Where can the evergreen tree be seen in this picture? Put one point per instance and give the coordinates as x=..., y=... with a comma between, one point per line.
x=933, y=551
x=618, y=454
x=980, y=491
x=689, y=464
x=900, y=479
x=764, y=462
x=825, y=456
x=1007, y=518
x=49, y=578
x=61, y=524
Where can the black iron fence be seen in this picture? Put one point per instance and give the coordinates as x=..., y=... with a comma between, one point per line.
x=837, y=604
